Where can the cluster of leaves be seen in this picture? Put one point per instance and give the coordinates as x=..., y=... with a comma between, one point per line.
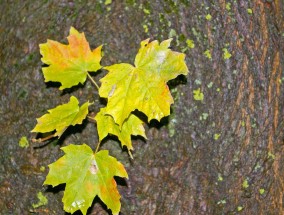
x=127, y=88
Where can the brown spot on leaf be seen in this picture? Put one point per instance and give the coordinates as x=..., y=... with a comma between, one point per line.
x=93, y=168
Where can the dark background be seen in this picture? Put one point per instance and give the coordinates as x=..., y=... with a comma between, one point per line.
x=181, y=168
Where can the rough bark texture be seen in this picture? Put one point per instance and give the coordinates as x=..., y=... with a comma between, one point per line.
x=183, y=167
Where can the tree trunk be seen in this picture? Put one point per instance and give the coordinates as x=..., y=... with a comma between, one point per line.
x=221, y=155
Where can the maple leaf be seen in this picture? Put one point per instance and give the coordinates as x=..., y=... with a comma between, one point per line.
x=69, y=64
x=143, y=86
x=86, y=175
x=62, y=116
x=132, y=126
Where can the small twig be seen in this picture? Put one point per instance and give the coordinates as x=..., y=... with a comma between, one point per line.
x=97, y=86
x=40, y=140
x=93, y=81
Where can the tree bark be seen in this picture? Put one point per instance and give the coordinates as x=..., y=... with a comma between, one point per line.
x=221, y=155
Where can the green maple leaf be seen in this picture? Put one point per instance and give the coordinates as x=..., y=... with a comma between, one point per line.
x=143, y=86
x=132, y=126
x=69, y=64
x=62, y=116
x=86, y=175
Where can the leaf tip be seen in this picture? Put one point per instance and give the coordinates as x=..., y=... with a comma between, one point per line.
x=145, y=42
x=99, y=48
x=131, y=156
x=166, y=43
x=73, y=31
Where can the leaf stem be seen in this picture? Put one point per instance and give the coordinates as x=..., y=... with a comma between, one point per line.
x=98, y=146
x=93, y=81
x=90, y=118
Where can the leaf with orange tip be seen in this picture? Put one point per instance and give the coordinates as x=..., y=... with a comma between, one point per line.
x=86, y=175
x=69, y=64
